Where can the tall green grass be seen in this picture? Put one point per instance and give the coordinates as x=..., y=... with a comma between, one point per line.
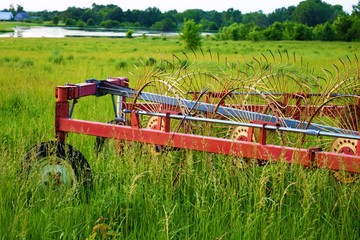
x=136, y=195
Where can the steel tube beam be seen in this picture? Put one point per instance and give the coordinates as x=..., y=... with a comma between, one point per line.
x=227, y=111
x=305, y=157
x=254, y=125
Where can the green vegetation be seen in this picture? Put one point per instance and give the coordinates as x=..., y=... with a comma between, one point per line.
x=191, y=34
x=309, y=20
x=8, y=26
x=134, y=194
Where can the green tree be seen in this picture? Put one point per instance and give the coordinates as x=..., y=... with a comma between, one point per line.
x=234, y=32
x=44, y=15
x=80, y=23
x=342, y=25
x=105, y=11
x=231, y=16
x=129, y=34
x=356, y=10
x=324, y=32
x=258, y=18
x=289, y=30
x=338, y=11
x=255, y=34
x=191, y=34
x=19, y=8
x=346, y=27
x=110, y=24
x=354, y=31
x=72, y=13
x=55, y=20
x=206, y=25
x=274, y=32
x=302, y=32
x=194, y=14
x=281, y=15
x=165, y=25
x=70, y=22
x=90, y=14
x=12, y=9
x=116, y=14
x=212, y=26
x=313, y=12
x=150, y=16
x=90, y=22
x=216, y=18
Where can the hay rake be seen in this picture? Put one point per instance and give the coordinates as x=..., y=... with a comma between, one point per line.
x=263, y=110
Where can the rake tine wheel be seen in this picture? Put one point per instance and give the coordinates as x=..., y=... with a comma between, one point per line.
x=275, y=89
x=201, y=80
x=271, y=88
x=340, y=109
x=159, y=96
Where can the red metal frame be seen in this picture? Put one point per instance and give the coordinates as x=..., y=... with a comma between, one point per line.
x=134, y=132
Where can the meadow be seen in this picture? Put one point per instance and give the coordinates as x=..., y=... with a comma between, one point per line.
x=134, y=195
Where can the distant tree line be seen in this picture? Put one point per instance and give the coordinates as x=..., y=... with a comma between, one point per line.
x=309, y=20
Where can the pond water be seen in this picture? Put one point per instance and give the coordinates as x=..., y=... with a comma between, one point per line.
x=60, y=32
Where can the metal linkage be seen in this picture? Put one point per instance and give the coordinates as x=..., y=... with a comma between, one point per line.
x=262, y=151
x=268, y=152
x=310, y=132
x=110, y=88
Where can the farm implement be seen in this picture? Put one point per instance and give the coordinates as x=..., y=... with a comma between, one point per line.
x=258, y=112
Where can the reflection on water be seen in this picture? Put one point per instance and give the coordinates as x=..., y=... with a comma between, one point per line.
x=60, y=32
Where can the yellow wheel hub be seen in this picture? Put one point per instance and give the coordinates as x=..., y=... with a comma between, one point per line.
x=240, y=133
x=153, y=124
x=344, y=146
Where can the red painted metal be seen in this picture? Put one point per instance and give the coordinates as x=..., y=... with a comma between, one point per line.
x=167, y=123
x=61, y=110
x=135, y=122
x=135, y=132
x=76, y=91
x=259, y=151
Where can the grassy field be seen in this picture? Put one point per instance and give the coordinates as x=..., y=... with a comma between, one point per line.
x=8, y=26
x=134, y=196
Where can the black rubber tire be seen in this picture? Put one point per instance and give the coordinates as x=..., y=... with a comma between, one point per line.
x=61, y=152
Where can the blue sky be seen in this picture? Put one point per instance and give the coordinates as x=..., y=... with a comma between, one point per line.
x=266, y=6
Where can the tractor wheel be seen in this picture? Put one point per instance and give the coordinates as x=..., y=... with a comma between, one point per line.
x=56, y=167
